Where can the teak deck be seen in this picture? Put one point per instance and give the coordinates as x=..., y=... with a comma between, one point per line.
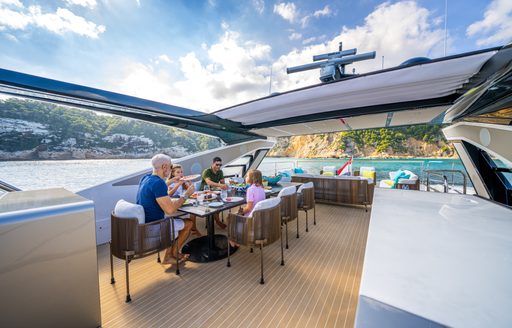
x=318, y=286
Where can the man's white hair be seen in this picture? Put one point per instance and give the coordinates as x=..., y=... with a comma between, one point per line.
x=160, y=159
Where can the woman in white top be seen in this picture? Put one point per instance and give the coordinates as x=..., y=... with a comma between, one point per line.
x=178, y=187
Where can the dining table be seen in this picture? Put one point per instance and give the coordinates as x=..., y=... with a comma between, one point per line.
x=213, y=247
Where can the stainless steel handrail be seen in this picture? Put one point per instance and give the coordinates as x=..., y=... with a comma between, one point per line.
x=7, y=187
x=442, y=174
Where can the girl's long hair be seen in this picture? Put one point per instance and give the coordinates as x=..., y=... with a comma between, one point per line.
x=255, y=177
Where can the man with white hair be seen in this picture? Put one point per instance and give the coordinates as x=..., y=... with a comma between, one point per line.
x=152, y=195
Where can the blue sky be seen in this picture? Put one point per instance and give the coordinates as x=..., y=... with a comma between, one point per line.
x=207, y=55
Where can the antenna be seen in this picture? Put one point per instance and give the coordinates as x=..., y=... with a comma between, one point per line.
x=334, y=66
x=445, y=25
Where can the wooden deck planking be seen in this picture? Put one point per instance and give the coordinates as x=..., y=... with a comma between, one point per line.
x=317, y=287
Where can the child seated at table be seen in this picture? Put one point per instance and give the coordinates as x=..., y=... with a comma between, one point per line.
x=255, y=193
x=178, y=187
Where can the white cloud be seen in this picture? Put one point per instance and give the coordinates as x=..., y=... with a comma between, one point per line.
x=326, y=11
x=11, y=37
x=295, y=36
x=236, y=70
x=397, y=31
x=164, y=58
x=287, y=11
x=12, y=19
x=84, y=3
x=259, y=5
x=496, y=26
x=313, y=39
x=65, y=21
x=15, y=3
x=60, y=22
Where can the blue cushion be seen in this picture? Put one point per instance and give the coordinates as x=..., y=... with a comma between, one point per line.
x=284, y=174
x=272, y=181
x=400, y=175
x=298, y=170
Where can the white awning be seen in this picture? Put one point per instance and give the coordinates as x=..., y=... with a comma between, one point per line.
x=432, y=80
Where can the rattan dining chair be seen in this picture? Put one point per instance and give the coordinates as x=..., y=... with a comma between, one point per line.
x=289, y=210
x=131, y=240
x=306, y=201
x=261, y=229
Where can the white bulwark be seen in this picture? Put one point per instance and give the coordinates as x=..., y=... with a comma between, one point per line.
x=436, y=259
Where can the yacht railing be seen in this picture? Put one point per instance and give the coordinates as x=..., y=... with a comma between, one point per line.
x=443, y=174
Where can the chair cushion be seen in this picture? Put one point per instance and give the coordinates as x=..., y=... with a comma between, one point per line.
x=305, y=186
x=367, y=172
x=287, y=191
x=298, y=170
x=407, y=181
x=411, y=175
x=368, y=175
x=267, y=203
x=400, y=175
x=331, y=169
x=328, y=173
x=285, y=179
x=366, y=168
x=386, y=183
x=127, y=210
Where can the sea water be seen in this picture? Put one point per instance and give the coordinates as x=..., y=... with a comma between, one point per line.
x=76, y=175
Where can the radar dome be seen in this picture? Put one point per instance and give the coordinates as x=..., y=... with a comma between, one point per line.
x=415, y=60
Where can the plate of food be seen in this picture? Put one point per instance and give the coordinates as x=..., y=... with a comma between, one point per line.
x=190, y=177
x=233, y=199
x=216, y=204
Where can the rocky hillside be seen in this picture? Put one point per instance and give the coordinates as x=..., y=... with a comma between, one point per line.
x=416, y=141
x=31, y=130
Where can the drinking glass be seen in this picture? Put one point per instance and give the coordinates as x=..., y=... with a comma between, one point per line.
x=206, y=188
x=224, y=194
x=200, y=198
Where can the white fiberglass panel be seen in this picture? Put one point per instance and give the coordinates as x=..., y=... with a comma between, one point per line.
x=417, y=116
x=443, y=257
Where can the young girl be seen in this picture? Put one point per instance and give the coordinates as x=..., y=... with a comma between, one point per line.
x=255, y=193
x=178, y=187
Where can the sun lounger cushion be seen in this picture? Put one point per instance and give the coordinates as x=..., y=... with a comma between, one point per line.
x=298, y=170
x=331, y=169
x=127, y=210
x=367, y=172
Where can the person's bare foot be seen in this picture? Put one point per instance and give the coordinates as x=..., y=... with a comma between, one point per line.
x=172, y=259
x=220, y=224
x=233, y=244
x=169, y=256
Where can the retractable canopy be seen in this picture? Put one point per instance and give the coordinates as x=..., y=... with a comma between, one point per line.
x=413, y=94
x=404, y=95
